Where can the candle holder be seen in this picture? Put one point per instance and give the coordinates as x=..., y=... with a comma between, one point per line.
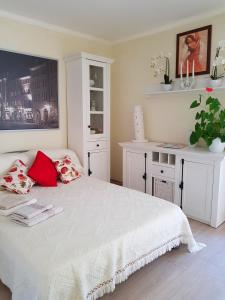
x=187, y=83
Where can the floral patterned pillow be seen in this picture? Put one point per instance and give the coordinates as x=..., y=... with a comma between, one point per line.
x=16, y=180
x=66, y=169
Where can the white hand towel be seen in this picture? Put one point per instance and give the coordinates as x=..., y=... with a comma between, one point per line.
x=7, y=212
x=31, y=211
x=38, y=219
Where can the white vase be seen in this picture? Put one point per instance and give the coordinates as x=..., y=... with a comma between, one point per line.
x=166, y=87
x=139, y=125
x=216, y=82
x=217, y=146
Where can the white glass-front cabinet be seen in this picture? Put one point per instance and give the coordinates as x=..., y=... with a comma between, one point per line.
x=97, y=100
x=88, y=101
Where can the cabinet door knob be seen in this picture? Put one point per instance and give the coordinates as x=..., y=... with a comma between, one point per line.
x=89, y=126
x=97, y=145
x=162, y=171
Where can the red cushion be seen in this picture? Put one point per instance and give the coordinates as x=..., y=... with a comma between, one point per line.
x=43, y=170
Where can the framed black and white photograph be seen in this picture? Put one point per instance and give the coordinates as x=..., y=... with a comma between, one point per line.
x=28, y=92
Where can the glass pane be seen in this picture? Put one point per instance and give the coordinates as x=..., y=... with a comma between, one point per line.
x=96, y=77
x=96, y=101
x=96, y=123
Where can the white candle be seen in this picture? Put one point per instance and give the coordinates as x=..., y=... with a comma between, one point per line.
x=187, y=69
x=181, y=70
x=193, y=69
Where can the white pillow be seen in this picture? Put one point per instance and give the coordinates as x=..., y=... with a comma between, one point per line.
x=55, y=154
x=8, y=159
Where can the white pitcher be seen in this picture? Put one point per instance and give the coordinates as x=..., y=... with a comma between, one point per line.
x=217, y=146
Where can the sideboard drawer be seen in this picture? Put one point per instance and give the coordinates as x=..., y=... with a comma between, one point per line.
x=97, y=145
x=163, y=171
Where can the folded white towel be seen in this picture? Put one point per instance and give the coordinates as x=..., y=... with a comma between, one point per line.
x=38, y=219
x=31, y=211
x=8, y=201
x=7, y=212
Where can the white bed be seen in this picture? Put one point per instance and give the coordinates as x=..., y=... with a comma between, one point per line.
x=105, y=233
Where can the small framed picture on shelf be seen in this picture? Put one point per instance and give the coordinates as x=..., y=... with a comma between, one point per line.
x=194, y=51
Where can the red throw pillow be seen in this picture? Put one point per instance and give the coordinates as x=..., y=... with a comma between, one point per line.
x=43, y=170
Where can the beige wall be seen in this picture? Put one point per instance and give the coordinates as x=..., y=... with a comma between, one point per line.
x=167, y=117
x=25, y=38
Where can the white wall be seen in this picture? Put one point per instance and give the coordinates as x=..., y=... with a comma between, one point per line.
x=30, y=39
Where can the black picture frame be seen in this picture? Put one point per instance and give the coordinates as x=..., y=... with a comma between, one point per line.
x=191, y=34
x=28, y=92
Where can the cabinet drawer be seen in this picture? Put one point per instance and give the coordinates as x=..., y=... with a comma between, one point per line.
x=163, y=171
x=97, y=145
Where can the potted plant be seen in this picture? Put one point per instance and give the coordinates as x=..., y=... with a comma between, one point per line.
x=218, y=66
x=161, y=65
x=210, y=123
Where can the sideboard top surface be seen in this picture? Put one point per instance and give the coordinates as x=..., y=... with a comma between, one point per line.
x=154, y=146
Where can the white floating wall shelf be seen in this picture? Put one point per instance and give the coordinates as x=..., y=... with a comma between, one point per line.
x=201, y=84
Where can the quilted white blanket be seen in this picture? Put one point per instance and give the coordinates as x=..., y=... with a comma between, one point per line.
x=105, y=233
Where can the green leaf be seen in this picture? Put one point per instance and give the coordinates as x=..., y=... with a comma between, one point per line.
x=222, y=138
x=198, y=116
x=214, y=107
x=194, y=138
x=195, y=104
x=209, y=100
x=198, y=130
x=210, y=129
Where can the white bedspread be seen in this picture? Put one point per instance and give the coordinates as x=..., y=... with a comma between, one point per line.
x=105, y=233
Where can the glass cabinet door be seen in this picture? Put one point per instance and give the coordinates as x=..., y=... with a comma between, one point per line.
x=96, y=97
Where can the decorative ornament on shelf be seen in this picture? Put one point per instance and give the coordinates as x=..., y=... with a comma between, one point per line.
x=161, y=65
x=92, y=83
x=188, y=82
x=139, y=125
x=218, y=66
x=93, y=105
x=210, y=123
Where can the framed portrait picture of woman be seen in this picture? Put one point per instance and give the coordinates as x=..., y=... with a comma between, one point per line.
x=194, y=51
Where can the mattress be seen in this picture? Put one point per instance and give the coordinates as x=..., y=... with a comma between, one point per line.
x=105, y=233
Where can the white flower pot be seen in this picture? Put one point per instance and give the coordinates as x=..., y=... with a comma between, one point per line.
x=217, y=146
x=216, y=82
x=166, y=87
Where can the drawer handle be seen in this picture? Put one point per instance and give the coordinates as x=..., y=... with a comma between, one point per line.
x=162, y=171
x=97, y=145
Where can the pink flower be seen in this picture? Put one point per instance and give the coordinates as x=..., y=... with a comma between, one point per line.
x=209, y=89
x=8, y=178
x=64, y=170
x=13, y=169
x=66, y=181
x=21, y=177
x=67, y=161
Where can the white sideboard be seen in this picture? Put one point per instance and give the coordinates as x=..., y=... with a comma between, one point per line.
x=88, y=108
x=192, y=178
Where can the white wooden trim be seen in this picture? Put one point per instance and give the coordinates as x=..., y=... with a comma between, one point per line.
x=89, y=56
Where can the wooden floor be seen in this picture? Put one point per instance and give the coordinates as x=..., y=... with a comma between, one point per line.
x=177, y=275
